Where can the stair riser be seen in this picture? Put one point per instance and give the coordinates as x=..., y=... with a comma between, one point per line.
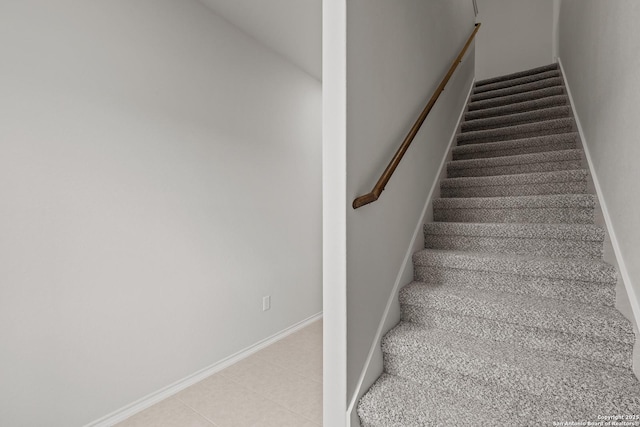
x=514, y=169
x=414, y=417
x=509, y=134
x=409, y=401
x=603, y=351
x=512, y=76
x=518, y=145
x=516, y=90
x=505, y=364
x=461, y=375
x=523, y=159
x=516, y=81
x=595, y=293
x=567, y=269
x=542, y=412
x=517, y=119
x=590, y=327
x=571, y=187
x=514, y=99
x=520, y=107
x=533, y=215
x=581, y=233
x=517, y=246
x=514, y=151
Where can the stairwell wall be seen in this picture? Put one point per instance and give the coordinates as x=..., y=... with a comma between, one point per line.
x=516, y=35
x=160, y=172
x=397, y=53
x=598, y=44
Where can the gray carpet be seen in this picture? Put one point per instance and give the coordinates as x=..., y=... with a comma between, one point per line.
x=510, y=320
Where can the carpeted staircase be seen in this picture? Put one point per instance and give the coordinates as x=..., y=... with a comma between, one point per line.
x=510, y=320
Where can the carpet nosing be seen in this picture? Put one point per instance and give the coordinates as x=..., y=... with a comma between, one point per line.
x=565, y=109
x=544, y=140
x=539, y=84
x=484, y=236
x=458, y=166
x=560, y=122
x=506, y=77
x=517, y=274
x=522, y=106
x=534, y=328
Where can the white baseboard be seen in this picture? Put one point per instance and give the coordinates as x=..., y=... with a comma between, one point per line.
x=624, y=273
x=406, y=263
x=168, y=391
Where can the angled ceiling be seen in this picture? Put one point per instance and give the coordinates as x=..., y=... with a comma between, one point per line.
x=293, y=28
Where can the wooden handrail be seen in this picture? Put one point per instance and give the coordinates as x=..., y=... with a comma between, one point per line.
x=391, y=167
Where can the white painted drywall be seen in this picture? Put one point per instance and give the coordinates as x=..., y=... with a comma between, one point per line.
x=397, y=53
x=516, y=35
x=555, y=34
x=334, y=206
x=159, y=173
x=293, y=28
x=599, y=44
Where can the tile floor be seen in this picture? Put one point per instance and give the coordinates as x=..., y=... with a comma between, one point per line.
x=279, y=386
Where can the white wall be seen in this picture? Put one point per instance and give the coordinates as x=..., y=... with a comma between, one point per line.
x=397, y=53
x=599, y=44
x=334, y=210
x=159, y=173
x=293, y=28
x=516, y=35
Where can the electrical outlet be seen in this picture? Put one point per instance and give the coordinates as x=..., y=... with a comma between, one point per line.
x=266, y=303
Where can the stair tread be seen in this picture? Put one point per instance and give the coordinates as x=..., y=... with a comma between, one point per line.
x=603, y=350
x=515, y=98
x=569, y=181
x=515, y=144
x=409, y=404
x=584, y=232
x=476, y=356
x=506, y=120
x=544, y=240
x=540, y=201
x=503, y=365
x=602, y=322
x=531, y=105
x=519, y=129
x=521, y=88
x=543, y=157
x=559, y=288
x=516, y=179
x=516, y=81
x=518, y=74
x=587, y=270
